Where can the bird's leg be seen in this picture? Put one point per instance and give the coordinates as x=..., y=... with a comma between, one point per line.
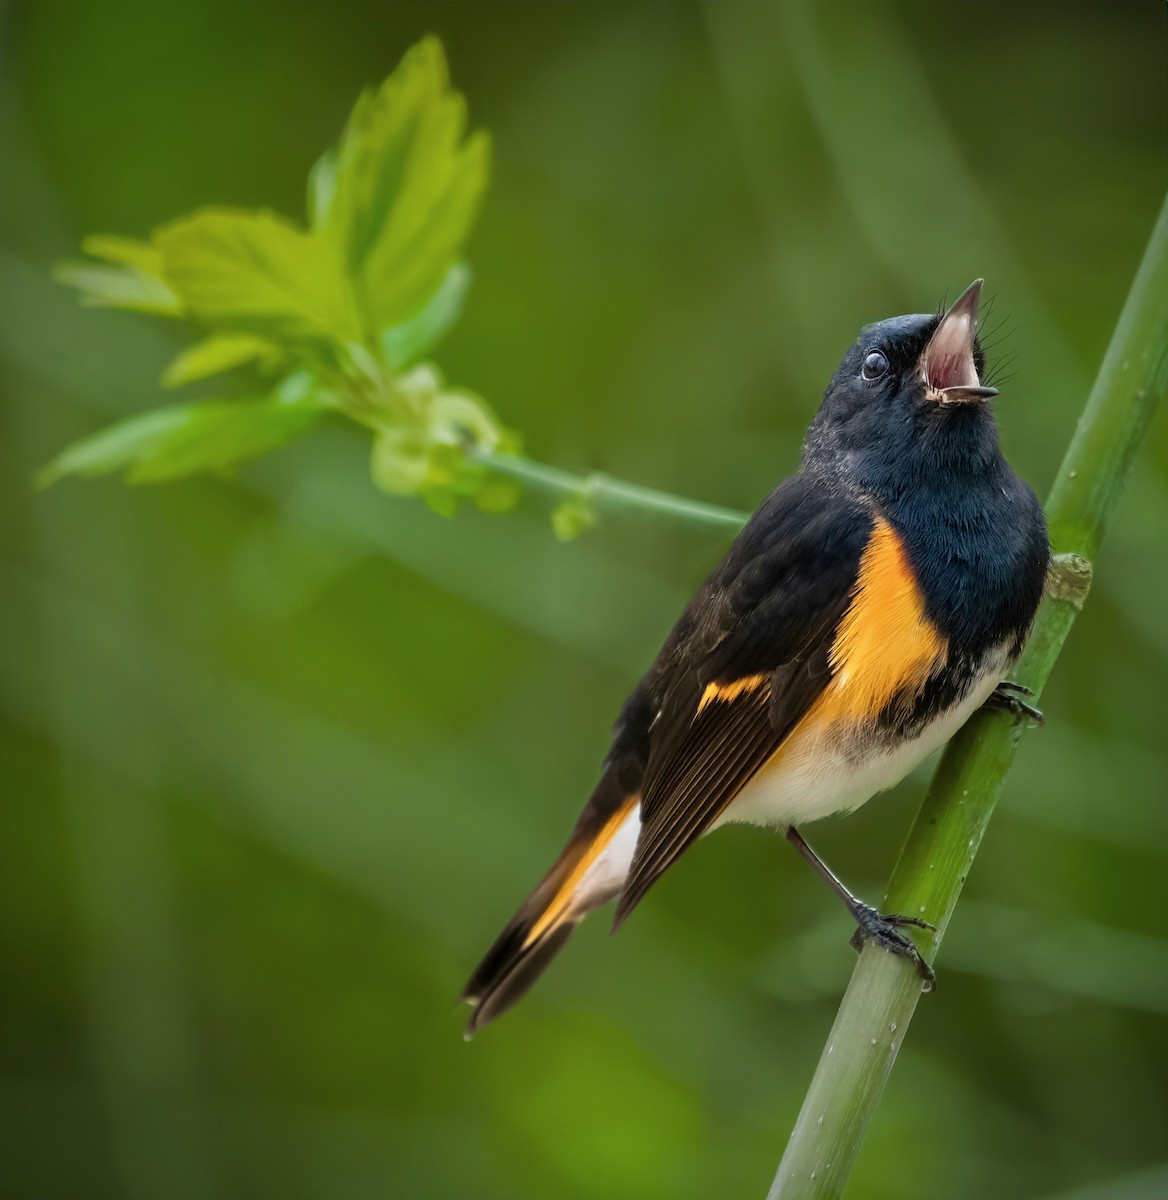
x=870, y=924
x=1007, y=697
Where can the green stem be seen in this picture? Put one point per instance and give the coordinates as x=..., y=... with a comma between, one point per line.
x=883, y=993
x=612, y=495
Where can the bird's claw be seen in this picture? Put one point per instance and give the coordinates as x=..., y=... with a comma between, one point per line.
x=1007, y=697
x=884, y=931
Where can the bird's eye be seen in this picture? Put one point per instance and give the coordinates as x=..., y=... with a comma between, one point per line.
x=875, y=365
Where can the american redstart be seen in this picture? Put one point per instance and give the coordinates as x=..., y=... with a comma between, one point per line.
x=875, y=600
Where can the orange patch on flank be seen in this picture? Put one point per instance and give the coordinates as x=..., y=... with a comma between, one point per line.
x=725, y=692
x=558, y=905
x=885, y=647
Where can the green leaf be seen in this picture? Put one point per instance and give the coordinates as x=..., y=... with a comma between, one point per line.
x=255, y=272
x=304, y=387
x=406, y=343
x=430, y=222
x=407, y=186
x=371, y=155
x=119, y=287
x=172, y=442
x=116, y=446
x=213, y=355
x=133, y=282
x=497, y=493
x=442, y=500
x=130, y=252
x=322, y=188
x=219, y=436
x=572, y=518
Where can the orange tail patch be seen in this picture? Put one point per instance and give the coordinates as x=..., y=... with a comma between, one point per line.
x=560, y=904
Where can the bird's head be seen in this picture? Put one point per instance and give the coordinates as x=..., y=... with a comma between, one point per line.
x=907, y=400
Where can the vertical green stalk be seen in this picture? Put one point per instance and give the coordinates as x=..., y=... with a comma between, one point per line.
x=883, y=993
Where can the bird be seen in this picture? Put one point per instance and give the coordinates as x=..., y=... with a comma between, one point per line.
x=874, y=601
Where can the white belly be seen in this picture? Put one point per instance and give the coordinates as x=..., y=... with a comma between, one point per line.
x=814, y=776
x=811, y=777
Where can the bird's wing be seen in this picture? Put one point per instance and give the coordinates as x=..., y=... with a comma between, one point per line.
x=816, y=586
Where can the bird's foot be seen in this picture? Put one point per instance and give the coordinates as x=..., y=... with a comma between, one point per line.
x=884, y=931
x=1007, y=697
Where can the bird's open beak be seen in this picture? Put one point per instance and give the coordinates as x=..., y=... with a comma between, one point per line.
x=947, y=367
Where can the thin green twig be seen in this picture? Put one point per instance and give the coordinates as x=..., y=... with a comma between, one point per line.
x=612, y=495
x=883, y=993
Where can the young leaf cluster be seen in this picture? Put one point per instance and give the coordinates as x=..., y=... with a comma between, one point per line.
x=336, y=316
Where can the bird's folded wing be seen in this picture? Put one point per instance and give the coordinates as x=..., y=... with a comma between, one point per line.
x=725, y=715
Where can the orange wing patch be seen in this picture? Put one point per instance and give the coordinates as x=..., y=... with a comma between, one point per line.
x=725, y=692
x=560, y=902
x=885, y=647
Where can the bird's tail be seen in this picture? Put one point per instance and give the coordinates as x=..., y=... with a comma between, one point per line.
x=591, y=869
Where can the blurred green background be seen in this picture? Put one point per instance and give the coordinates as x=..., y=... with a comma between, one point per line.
x=280, y=754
